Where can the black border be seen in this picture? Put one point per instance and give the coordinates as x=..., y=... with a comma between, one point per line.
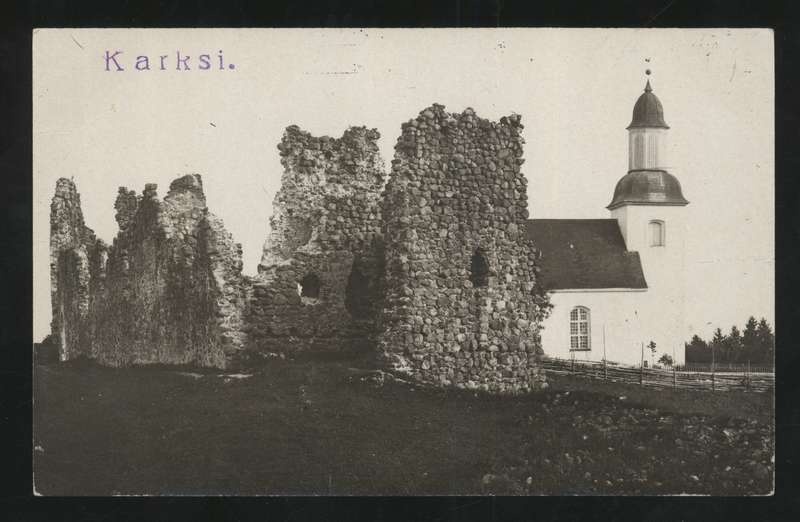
x=16, y=502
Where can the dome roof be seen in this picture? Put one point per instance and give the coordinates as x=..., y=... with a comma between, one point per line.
x=647, y=187
x=648, y=111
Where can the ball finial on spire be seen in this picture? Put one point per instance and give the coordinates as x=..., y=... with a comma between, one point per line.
x=647, y=87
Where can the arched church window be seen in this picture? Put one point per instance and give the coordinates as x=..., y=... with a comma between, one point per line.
x=479, y=268
x=309, y=286
x=656, y=233
x=579, y=329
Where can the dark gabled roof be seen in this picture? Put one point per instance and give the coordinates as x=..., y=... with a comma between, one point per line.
x=584, y=254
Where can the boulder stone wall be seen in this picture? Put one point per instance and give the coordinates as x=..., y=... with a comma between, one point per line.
x=463, y=305
x=319, y=281
x=430, y=272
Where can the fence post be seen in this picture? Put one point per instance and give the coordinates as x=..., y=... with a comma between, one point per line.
x=713, y=361
x=674, y=377
x=641, y=366
x=747, y=376
x=605, y=369
x=713, y=380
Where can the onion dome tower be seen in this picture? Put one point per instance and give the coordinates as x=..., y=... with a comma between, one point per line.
x=648, y=205
x=647, y=181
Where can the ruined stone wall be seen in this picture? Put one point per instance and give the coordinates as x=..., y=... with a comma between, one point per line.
x=75, y=256
x=463, y=306
x=431, y=272
x=319, y=281
x=168, y=290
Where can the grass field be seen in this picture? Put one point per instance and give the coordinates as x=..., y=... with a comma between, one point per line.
x=305, y=427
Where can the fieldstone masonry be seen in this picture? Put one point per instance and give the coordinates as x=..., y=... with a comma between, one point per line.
x=463, y=306
x=429, y=272
x=325, y=248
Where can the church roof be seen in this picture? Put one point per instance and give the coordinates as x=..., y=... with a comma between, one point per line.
x=647, y=187
x=648, y=112
x=584, y=254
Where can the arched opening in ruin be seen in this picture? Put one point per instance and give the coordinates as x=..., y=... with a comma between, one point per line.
x=309, y=286
x=479, y=268
x=357, y=297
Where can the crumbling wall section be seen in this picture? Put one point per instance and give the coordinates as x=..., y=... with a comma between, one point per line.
x=463, y=305
x=169, y=289
x=76, y=273
x=433, y=269
x=325, y=248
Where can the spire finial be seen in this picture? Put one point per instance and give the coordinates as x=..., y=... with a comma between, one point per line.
x=647, y=87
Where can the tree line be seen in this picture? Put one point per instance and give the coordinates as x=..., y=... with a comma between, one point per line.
x=754, y=344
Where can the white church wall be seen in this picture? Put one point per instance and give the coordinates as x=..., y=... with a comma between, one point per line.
x=633, y=223
x=622, y=320
x=663, y=311
x=614, y=313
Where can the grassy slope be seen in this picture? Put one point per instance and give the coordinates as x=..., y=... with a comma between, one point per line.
x=307, y=428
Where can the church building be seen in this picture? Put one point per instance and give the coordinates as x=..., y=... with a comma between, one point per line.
x=617, y=284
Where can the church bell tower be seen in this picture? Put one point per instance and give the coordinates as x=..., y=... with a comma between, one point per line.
x=649, y=206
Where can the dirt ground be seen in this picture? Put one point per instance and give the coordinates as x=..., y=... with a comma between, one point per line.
x=319, y=428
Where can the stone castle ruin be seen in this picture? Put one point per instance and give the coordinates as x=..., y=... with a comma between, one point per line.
x=168, y=290
x=319, y=282
x=462, y=304
x=429, y=271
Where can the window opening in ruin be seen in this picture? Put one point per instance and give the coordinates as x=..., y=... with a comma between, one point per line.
x=479, y=269
x=308, y=287
x=357, y=296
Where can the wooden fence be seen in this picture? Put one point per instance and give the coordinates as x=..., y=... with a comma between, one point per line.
x=726, y=368
x=664, y=377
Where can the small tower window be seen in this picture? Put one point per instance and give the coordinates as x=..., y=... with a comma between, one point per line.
x=579, y=329
x=309, y=286
x=656, y=233
x=479, y=268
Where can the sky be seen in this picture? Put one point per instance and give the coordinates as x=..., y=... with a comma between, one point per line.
x=575, y=90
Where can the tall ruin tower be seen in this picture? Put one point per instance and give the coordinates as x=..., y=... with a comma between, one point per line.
x=649, y=206
x=463, y=303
